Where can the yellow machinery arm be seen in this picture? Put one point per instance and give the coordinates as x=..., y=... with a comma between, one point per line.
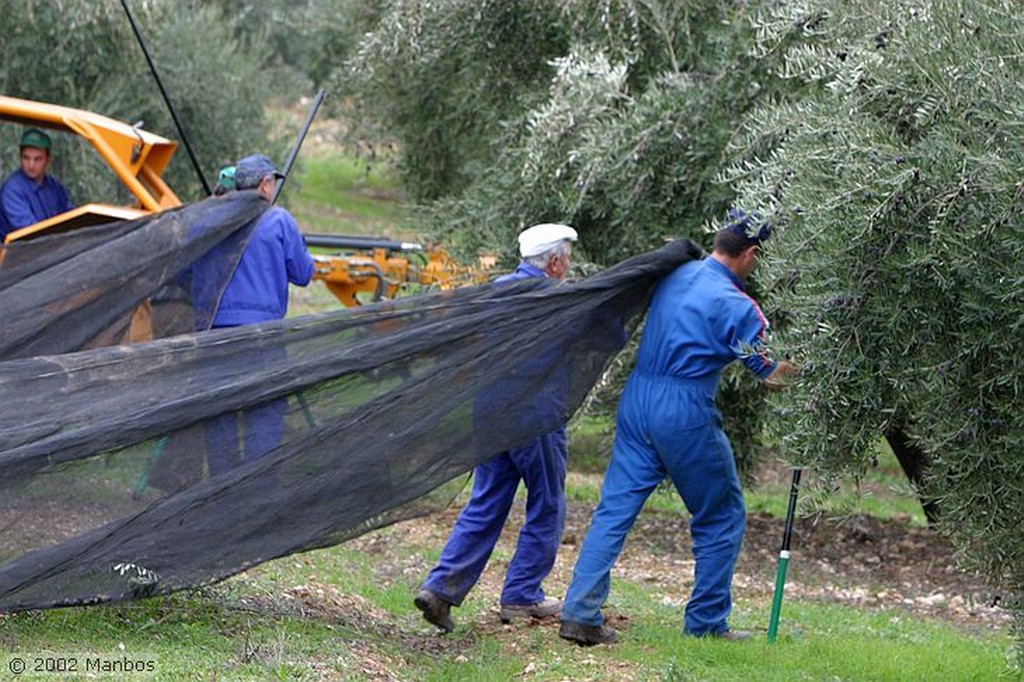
x=379, y=268
x=137, y=157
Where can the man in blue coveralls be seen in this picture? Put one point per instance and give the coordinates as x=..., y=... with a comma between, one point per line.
x=546, y=250
x=274, y=256
x=700, y=320
x=29, y=195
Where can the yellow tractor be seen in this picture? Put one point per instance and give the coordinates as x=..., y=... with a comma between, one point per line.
x=376, y=268
x=137, y=157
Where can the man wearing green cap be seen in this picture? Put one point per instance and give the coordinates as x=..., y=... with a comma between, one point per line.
x=225, y=181
x=30, y=195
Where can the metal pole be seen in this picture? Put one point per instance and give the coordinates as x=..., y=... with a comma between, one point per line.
x=167, y=99
x=298, y=143
x=780, y=576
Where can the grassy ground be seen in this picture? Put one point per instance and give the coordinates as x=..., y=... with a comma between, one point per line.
x=345, y=195
x=345, y=613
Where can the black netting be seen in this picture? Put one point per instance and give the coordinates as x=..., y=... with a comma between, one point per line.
x=119, y=282
x=140, y=469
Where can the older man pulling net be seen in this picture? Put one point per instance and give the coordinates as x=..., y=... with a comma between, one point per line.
x=540, y=463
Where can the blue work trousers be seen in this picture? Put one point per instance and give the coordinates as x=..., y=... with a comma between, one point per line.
x=541, y=466
x=262, y=426
x=666, y=427
x=262, y=431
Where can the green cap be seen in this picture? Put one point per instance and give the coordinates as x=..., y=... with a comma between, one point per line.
x=226, y=177
x=36, y=139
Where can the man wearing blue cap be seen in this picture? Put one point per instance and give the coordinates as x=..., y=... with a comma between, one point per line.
x=540, y=464
x=29, y=195
x=700, y=320
x=274, y=256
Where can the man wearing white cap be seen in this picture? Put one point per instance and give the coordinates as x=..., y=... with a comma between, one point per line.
x=546, y=247
x=546, y=251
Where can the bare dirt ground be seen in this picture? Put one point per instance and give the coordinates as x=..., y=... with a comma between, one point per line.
x=859, y=561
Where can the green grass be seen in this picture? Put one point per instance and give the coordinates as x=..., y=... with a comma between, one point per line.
x=345, y=195
x=831, y=643
x=245, y=629
x=186, y=637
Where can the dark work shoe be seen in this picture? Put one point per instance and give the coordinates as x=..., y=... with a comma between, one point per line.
x=545, y=609
x=587, y=635
x=435, y=610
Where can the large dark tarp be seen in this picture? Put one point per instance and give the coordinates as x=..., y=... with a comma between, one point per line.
x=140, y=469
x=83, y=288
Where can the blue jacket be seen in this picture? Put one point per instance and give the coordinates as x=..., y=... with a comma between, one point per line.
x=274, y=256
x=700, y=320
x=25, y=203
x=523, y=271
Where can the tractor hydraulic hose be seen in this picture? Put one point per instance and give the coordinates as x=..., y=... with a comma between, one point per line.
x=379, y=274
x=331, y=241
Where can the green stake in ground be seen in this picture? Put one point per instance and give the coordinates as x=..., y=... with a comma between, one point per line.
x=780, y=576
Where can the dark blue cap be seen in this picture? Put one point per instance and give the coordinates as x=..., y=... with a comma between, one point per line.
x=748, y=225
x=252, y=169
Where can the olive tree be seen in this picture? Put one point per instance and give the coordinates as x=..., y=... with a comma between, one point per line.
x=898, y=184
x=611, y=115
x=83, y=54
x=444, y=77
x=614, y=113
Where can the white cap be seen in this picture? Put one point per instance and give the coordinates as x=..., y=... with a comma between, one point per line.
x=539, y=239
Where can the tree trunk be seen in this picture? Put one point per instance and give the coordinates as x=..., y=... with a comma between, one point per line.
x=914, y=462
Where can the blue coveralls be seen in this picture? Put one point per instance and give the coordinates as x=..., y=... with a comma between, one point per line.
x=541, y=465
x=258, y=291
x=24, y=203
x=275, y=255
x=700, y=320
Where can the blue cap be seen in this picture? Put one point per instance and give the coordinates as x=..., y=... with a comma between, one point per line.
x=748, y=225
x=252, y=169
